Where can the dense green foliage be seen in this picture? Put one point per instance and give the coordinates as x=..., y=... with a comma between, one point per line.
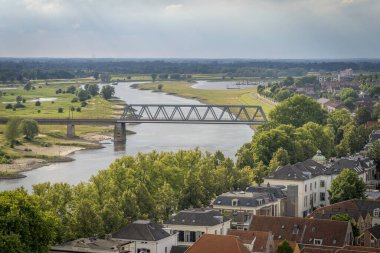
x=347, y=185
x=298, y=110
x=107, y=91
x=24, y=227
x=12, y=130
x=284, y=247
x=144, y=186
x=29, y=128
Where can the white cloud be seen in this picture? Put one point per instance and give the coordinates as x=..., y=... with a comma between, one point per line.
x=173, y=9
x=46, y=6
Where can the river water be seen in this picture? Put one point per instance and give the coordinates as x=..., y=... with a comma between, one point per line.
x=148, y=137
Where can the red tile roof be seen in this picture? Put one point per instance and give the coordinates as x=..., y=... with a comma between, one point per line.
x=218, y=244
x=261, y=238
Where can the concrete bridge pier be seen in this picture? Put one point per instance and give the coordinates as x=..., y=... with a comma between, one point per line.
x=120, y=133
x=70, y=130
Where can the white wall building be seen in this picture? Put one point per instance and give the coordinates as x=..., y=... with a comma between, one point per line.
x=308, y=182
x=192, y=223
x=143, y=236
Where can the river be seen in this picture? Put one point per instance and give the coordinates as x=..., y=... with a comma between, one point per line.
x=148, y=137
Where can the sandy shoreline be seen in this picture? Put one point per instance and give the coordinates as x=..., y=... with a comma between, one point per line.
x=57, y=152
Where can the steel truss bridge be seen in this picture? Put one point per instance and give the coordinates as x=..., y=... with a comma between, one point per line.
x=194, y=114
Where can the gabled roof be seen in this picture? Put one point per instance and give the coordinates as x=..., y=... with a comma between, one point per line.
x=302, y=230
x=375, y=231
x=244, y=199
x=141, y=230
x=358, y=164
x=357, y=249
x=375, y=135
x=196, y=217
x=355, y=208
x=260, y=238
x=300, y=171
x=217, y=244
x=88, y=245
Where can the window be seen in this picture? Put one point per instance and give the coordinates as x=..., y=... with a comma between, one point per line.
x=235, y=202
x=315, y=185
x=322, y=196
x=260, y=202
x=192, y=236
x=376, y=212
x=181, y=236
x=305, y=201
x=166, y=249
x=305, y=188
x=318, y=241
x=315, y=197
x=322, y=183
x=311, y=186
x=143, y=250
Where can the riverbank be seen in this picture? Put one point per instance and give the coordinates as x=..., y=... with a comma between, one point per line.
x=231, y=96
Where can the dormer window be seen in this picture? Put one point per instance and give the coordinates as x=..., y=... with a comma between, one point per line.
x=235, y=202
x=260, y=202
x=376, y=212
x=318, y=241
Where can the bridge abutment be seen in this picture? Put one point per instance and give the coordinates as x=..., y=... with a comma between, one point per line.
x=70, y=131
x=120, y=133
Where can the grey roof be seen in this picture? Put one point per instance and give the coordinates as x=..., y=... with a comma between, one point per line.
x=275, y=190
x=179, y=249
x=142, y=231
x=375, y=135
x=375, y=231
x=196, y=217
x=300, y=171
x=88, y=245
x=357, y=164
x=245, y=199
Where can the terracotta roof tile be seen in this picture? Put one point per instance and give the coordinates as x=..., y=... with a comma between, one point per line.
x=217, y=243
x=261, y=238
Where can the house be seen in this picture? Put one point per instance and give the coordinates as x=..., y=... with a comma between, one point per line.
x=374, y=136
x=240, y=206
x=144, y=236
x=323, y=101
x=307, y=183
x=333, y=105
x=255, y=241
x=370, y=237
x=191, y=224
x=364, y=213
x=306, y=186
x=305, y=231
x=345, y=249
x=90, y=245
x=218, y=244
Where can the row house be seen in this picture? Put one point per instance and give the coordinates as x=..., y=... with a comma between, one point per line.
x=240, y=206
x=307, y=183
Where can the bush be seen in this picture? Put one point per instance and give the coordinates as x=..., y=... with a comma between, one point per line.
x=8, y=106
x=79, y=109
x=74, y=100
x=60, y=110
x=29, y=128
x=52, y=102
x=18, y=105
x=71, y=89
x=38, y=103
x=58, y=91
x=38, y=111
x=83, y=104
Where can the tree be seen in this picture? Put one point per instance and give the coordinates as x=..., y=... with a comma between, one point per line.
x=19, y=99
x=83, y=95
x=363, y=115
x=244, y=156
x=154, y=77
x=298, y=110
x=374, y=153
x=159, y=87
x=284, y=247
x=71, y=89
x=28, y=86
x=288, y=81
x=29, y=128
x=12, y=130
x=105, y=77
x=338, y=119
x=347, y=185
x=107, y=92
x=346, y=217
x=93, y=89
x=259, y=173
x=280, y=158
x=24, y=227
x=346, y=93
x=38, y=103
x=96, y=75
x=354, y=139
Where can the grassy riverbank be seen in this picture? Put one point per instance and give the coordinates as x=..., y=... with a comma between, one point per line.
x=52, y=142
x=232, y=97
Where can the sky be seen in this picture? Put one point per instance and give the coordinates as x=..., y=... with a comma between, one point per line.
x=257, y=29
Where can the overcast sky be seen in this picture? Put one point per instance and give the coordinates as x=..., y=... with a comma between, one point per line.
x=190, y=28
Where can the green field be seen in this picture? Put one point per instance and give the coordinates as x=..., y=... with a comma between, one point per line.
x=231, y=97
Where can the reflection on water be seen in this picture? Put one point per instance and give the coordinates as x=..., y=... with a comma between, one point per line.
x=148, y=137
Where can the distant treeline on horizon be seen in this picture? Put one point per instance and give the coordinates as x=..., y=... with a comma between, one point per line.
x=18, y=69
